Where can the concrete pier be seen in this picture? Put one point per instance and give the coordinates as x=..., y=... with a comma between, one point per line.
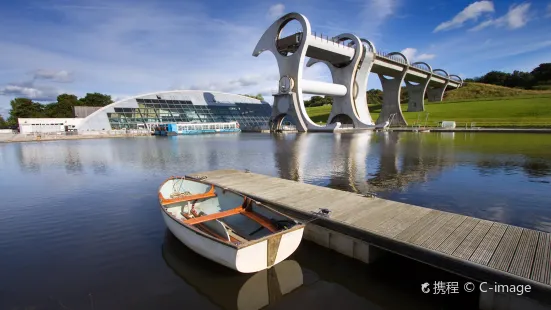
x=366, y=227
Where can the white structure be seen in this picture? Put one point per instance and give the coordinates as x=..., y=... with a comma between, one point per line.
x=448, y=124
x=350, y=60
x=47, y=125
x=148, y=110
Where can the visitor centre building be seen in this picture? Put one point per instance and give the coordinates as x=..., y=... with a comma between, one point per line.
x=149, y=110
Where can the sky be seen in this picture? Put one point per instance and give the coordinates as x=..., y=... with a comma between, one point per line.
x=129, y=47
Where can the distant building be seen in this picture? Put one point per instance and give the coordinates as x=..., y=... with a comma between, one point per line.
x=149, y=110
x=47, y=125
x=82, y=111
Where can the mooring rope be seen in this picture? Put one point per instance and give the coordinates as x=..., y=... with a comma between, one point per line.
x=320, y=214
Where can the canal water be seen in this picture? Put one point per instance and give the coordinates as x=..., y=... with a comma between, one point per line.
x=80, y=226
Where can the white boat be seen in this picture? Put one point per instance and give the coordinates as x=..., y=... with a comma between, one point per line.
x=227, y=227
x=228, y=289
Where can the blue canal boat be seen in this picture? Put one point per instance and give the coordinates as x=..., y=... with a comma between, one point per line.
x=195, y=128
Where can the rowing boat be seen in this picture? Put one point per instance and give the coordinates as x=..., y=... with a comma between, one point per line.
x=228, y=289
x=226, y=226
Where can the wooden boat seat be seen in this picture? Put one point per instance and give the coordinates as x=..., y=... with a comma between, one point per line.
x=220, y=229
x=184, y=198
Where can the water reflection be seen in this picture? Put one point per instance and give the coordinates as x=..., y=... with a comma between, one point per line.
x=282, y=287
x=361, y=162
x=491, y=176
x=287, y=155
x=227, y=288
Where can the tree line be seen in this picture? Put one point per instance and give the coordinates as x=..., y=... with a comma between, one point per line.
x=62, y=108
x=539, y=78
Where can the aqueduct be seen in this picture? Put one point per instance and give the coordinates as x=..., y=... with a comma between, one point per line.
x=350, y=60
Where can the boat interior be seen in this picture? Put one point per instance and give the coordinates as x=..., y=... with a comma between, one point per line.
x=223, y=214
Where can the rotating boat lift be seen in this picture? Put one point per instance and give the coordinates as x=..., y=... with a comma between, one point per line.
x=350, y=60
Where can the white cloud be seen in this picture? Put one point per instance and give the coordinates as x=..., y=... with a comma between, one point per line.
x=375, y=13
x=61, y=76
x=276, y=11
x=31, y=91
x=471, y=12
x=517, y=17
x=548, y=10
x=233, y=84
x=412, y=55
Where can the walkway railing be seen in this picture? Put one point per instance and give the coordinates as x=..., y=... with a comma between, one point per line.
x=420, y=67
x=395, y=58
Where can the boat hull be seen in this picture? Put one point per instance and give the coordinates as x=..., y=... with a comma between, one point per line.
x=253, y=257
x=207, y=131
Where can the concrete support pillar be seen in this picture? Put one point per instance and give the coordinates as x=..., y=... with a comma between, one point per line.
x=343, y=244
x=436, y=94
x=391, y=99
x=416, y=93
x=286, y=105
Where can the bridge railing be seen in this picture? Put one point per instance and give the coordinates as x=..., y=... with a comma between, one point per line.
x=455, y=78
x=420, y=67
x=440, y=74
x=395, y=58
x=333, y=40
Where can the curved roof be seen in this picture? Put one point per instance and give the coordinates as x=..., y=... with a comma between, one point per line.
x=98, y=120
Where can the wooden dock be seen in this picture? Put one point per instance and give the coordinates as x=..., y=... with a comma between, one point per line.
x=477, y=249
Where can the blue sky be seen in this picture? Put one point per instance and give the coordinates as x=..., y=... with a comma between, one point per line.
x=129, y=47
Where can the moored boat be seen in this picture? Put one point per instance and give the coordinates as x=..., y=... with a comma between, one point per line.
x=226, y=226
x=173, y=129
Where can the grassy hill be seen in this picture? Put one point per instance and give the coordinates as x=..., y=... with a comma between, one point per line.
x=471, y=91
x=483, y=104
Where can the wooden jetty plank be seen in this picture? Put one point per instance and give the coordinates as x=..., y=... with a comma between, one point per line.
x=473, y=239
x=418, y=226
x=434, y=241
x=541, y=270
x=524, y=257
x=274, y=194
x=506, y=249
x=425, y=234
x=487, y=247
x=451, y=243
x=376, y=216
x=253, y=188
x=297, y=195
x=231, y=179
x=240, y=183
x=336, y=205
x=375, y=219
x=403, y=220
x=348, y=209
x=364, y=212
x=218, y=173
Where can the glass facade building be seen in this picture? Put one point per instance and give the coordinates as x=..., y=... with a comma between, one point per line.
x=156, y=111
x=146, y=111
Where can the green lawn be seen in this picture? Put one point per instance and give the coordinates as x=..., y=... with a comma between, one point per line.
x=522, y=111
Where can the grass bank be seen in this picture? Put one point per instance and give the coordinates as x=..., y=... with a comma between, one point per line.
x=521, y=108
